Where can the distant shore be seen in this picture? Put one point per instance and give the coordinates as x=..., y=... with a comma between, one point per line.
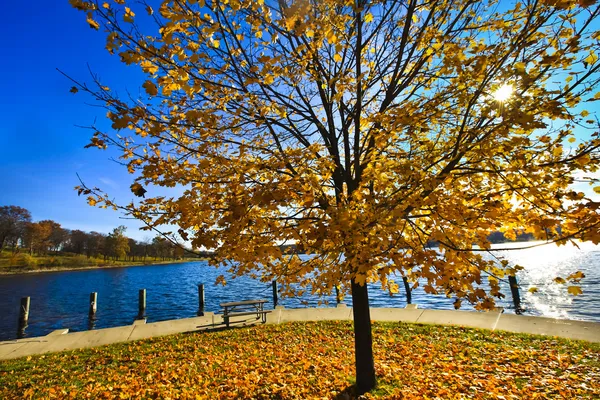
x=17, y=270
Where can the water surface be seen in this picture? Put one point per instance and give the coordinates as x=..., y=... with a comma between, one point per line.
x=61, y=299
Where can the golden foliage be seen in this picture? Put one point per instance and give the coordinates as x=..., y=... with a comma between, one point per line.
x=360, y=135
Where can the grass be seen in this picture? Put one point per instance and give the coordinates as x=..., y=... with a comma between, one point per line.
x=314, y=360
x=11, y=263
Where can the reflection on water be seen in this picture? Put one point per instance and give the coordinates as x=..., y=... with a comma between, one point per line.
x=543, y=264
x=61, y=299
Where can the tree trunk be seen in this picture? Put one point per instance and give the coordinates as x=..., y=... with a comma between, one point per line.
x=363, y=341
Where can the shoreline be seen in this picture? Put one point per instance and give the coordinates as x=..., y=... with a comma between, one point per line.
x=62, y=339
x=6, y=271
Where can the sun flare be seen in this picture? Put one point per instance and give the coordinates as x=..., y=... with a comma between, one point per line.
x=503, y=93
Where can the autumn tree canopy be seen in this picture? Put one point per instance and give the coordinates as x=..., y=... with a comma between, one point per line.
x=358, y=130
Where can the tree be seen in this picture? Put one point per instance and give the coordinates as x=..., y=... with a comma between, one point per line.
x=358, y=131
x=76, y=242
x=145, y=246
x=160, y=247
x=94, y=244
x=58, y=237
x=135, y=250
x=13, y=221
x=117, y=244
x=38, y=236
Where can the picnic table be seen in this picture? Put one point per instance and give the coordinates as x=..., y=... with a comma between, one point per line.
x=246, y=307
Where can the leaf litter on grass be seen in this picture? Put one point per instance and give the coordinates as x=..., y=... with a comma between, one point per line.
x=314, y=360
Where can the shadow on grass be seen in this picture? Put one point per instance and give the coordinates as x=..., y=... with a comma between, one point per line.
x=346, y=394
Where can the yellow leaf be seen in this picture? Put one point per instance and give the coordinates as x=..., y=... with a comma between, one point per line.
x=331, y=38
x=368, y=18
x=310, y=33
x=557, y=152
x=597, y=189
x=91, y=201
x=576, y=276
x=337, y=58
x=520, y=66
x=138, y=190
x=591, y=59
x=93, y=24
x=128, y=17
x=575, y=290
x=532, y=290
x=106, y=5
x=360, y=279
x=151, y=88
x=220, y=280
x=572, y=140
x=585, y=113
x=149, y=67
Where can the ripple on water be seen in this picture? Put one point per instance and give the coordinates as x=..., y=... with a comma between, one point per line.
x=61, y=299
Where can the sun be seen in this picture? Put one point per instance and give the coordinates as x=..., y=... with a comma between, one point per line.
x=503, y=93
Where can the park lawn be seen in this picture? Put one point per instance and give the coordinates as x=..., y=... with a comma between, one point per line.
x=15, y=263
x=314, y=360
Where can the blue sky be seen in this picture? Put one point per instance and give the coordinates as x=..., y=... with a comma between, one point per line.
x=41, y=148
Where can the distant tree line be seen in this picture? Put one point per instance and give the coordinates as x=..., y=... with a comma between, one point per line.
x=19, y=233
x=495, y=237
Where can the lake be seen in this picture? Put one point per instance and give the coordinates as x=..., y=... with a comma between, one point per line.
x=61, y=299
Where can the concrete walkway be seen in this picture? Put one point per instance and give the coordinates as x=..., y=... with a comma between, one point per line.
x=62, y=340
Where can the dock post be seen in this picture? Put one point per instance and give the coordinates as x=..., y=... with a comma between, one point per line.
x=275, y=299
x=23, y=316
x=338, y=300
x=407, y=289
x=142, y=303
x=514, y=290
x=93, y=305
x=200, y=299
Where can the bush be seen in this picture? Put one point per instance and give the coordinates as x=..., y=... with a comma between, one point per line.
x=78, y=261
x=22, y=260
x=54, y=262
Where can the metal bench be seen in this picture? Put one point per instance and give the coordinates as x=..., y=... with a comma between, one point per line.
x=246, y=307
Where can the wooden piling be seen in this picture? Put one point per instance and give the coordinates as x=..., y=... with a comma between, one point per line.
x=200, y=299
x=514, y=290
x=24, y=310
x=275, y=299
x=23, y=316
x=407, y=289
x=142, y=303
x=93, y=305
